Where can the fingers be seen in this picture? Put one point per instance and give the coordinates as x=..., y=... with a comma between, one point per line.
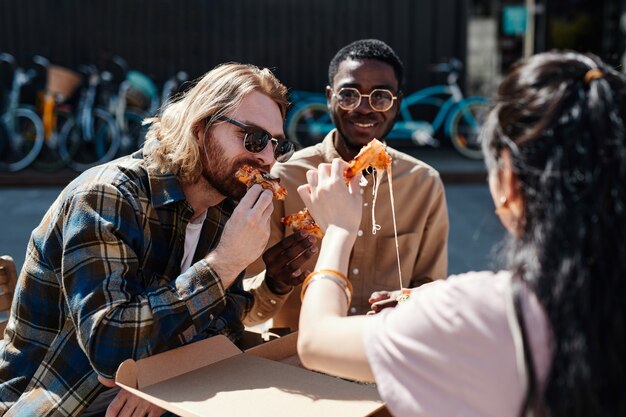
x=379, y=296
x=338, y=167
x=289, y=241
x=288, y=249
x=383, y=304
x=284, y=260
x=305, y=194
x=126, y=404
x=256, y=196
x=379, y=300
x=115, y=407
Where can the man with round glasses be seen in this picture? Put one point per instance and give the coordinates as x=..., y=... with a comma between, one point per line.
x=146, y=253
x=363, y=97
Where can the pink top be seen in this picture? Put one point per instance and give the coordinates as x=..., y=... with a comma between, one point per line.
x=454, y=348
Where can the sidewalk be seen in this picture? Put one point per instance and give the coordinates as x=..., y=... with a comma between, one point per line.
x=453, y=167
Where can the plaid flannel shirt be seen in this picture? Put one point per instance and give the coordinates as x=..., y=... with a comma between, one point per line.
x=102, y=283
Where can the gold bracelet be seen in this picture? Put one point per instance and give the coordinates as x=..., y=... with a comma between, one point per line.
x=339, y=282
x=327, y=271
x=340, y=275
x=338, y=279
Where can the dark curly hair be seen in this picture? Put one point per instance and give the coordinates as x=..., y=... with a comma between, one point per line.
x=367, y=49
x=562, y=116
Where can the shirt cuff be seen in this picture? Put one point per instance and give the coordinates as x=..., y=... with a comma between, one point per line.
x=266, y=303
x=203, y=292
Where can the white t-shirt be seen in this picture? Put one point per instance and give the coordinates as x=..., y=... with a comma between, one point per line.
x=453, y=348
x=192, y=236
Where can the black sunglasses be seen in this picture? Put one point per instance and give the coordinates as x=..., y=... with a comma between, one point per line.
x=256, y=139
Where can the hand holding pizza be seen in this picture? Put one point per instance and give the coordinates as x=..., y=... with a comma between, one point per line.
x=284, y=260
x=328, y=198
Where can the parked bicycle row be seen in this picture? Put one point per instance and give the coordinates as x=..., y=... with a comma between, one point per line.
x=53, y=117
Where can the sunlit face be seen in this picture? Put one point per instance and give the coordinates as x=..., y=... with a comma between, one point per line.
x=223, y=149
x=359, y=126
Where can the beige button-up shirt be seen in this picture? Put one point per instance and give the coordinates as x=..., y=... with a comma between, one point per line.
x=422, y=222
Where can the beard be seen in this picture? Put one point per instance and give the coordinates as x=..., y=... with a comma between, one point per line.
x=219, y=171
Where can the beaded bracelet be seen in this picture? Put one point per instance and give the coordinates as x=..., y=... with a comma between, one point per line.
x=334, y=276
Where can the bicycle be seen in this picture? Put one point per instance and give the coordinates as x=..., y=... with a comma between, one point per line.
x=119, y=96
x=173, y=86
x=308, y=120
x=457, y=117
x=93, y=132
x=21, y=129
x=142, y=99
x=60, y=84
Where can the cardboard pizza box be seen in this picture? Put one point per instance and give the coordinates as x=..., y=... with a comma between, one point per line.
x=213, y=377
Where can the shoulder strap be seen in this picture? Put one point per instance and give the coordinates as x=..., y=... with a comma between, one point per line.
x=530, y=403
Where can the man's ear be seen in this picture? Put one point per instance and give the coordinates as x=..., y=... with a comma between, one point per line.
x=198, y=132
x=400, y=96
x=329, y=95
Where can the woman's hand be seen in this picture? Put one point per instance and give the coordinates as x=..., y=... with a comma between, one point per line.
x=330, y=200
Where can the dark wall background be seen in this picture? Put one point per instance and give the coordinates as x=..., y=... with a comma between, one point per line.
x=297, y=38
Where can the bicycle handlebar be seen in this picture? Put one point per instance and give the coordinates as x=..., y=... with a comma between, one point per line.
x=453, y=65
x=9, y=59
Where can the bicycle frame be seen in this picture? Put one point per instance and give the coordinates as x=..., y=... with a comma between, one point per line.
x=19, y=79
x=93, y=137
x=406, y=126
x=86, y=107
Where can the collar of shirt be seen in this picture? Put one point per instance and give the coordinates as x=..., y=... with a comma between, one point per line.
x=164, y=186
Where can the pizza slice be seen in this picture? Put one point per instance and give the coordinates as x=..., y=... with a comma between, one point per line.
x=250, y=175
x=371, y=155
x=303, y=220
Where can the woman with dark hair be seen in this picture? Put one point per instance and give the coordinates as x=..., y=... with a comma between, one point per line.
x=546, y=336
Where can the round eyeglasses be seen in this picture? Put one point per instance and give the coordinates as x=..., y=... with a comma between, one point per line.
x=349, y=98
x=256, y=139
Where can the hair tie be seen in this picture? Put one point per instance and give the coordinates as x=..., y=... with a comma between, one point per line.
x=592, y=74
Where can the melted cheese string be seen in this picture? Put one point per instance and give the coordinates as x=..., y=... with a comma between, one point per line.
x=395, y=227
x=376, y=179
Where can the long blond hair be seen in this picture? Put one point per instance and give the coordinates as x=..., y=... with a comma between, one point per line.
x=171, y=144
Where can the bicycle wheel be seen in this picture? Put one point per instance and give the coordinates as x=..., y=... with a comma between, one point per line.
x=309, y=124
x=21, y=138
x=134, y=133
x=465, y=129
x=50, y=159
x=83, y=152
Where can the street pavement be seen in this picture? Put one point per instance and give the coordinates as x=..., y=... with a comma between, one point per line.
x=453, y=167
x=474, y=228
x=475, y=231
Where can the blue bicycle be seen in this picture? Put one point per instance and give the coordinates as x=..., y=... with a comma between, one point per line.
x=439, y=108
